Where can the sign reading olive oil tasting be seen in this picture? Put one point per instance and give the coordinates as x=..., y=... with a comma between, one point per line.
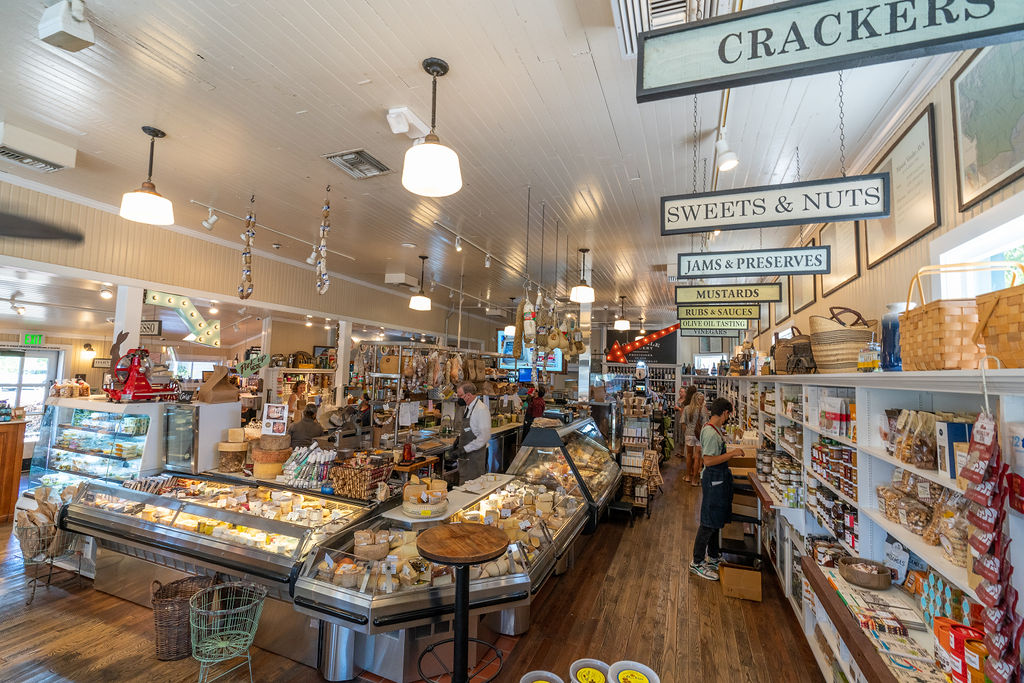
x=702, y=324
x=741, y=312
x=728, y=294
x=809, y=260
x=812, y=201
x=803, y=37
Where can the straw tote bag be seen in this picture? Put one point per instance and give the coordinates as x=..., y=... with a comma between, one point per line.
x=836, y=343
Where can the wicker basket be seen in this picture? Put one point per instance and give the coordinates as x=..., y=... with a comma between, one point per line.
x=836, y=345
x=879, y=581
x=170, y=615
x=1001, y=323
x=940, y=335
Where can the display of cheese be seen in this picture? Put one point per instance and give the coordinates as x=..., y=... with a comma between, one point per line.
x=232, y=455
x=425, y=497
x=236, y=434
x=275, y=442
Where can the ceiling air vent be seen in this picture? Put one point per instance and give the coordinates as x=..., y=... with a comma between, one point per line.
x=636, y=16
x=33, y=151
x=358, y=163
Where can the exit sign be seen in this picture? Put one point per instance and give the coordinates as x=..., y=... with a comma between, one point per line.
x=32, y=339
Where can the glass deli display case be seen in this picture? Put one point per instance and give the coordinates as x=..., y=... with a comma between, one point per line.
x=82, y=440
x=589, y=451
x=250, y=530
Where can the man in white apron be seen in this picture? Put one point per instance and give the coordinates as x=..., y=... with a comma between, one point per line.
x=474, y=435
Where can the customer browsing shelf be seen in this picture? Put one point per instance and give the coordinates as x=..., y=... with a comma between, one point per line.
x=716, y=490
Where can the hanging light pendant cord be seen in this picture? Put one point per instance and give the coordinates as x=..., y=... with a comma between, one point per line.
x=433, y=104
x=152, y=144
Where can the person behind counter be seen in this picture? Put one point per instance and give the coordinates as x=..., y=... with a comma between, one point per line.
x=471, y=448
x=365, y=410
x=305, y=430
x=716, y=489
x=297, y=400
x=534, y=408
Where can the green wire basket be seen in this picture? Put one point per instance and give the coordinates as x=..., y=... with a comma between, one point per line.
x=223, y=621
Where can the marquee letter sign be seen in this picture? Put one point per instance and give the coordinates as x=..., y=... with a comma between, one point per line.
x=756, y=263
x=617, y=354
x=803, y=37
x=728, y=294
x=741, y=312
x=812, y=201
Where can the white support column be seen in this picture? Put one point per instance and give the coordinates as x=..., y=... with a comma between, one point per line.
x=586, y=310
x=128, y=316
x=344, y=352
x=268, y=325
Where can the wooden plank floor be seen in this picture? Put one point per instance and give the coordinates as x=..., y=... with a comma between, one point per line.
x=629, y=596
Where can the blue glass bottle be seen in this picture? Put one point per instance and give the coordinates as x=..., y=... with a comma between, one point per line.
x=891, y=360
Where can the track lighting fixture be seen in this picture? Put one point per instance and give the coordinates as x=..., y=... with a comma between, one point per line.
x=487, y=261
x=727, y=159
x=458, y=244
x=211, y=219
x=309, y=323
x=311, y=259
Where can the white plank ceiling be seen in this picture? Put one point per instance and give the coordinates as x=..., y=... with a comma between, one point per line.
x=251, y=94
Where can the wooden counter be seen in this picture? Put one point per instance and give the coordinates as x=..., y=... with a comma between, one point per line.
x=12, y=438
x=858, y=642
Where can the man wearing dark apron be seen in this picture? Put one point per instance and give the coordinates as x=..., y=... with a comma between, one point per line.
x=716, y=490
x=474, y=434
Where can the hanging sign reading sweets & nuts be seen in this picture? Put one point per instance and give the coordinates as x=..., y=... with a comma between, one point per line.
x=812, y=201
x=807, y=260
x=802, y=37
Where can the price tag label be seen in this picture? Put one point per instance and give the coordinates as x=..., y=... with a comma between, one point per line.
x=330, y=561
x=424, y=513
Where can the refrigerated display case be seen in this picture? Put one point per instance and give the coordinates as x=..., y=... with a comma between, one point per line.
x=252, y=531
x=192, y=431
x=85, y=440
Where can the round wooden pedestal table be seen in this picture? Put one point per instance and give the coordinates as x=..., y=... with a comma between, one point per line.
x=461, y=546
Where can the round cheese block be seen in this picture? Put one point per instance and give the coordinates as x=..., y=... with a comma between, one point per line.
x=275, y=442
x=425, y=510
x=261, y=455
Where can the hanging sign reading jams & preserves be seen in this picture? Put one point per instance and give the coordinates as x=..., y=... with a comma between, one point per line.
x=728, y=294
x=807, y=260
x=802, y=37
x=812, y=201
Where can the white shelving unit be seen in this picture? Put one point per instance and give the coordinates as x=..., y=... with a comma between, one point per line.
x=873, y=394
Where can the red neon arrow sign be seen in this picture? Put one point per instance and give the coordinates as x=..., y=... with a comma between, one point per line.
x=617, y=354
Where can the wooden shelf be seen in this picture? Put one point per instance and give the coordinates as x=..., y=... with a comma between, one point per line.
x=930, y=475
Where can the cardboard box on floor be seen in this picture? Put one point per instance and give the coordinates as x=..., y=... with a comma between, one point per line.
x=734, y=531
x=739, y=581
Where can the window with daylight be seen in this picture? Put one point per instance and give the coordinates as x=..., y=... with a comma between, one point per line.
x=706, y=361
x=986, y=238
x=25, y=378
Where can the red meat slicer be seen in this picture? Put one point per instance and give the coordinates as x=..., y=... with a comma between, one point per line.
x=137, y=379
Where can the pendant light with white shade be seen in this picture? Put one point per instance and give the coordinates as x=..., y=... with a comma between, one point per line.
x=146, y=205
x=431, y=169
x=420, y=302
x=621, y=323
x=582, y=293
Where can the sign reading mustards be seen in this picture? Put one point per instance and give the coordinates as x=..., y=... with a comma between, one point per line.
x=728, y=294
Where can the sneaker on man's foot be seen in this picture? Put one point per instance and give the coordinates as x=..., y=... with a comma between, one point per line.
x=704, y=571
x=714, y=561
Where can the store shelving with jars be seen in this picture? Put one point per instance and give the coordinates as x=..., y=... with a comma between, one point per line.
x=319, y=383
x=83, y=440
x=868, y=479
x=846, y=432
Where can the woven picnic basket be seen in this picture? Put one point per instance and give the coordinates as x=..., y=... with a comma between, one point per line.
x=941, y=334
x=1001, y=322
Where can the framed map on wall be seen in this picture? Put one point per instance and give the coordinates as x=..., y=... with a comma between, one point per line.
x=988, y=121
x=914, y=193
x=802, y=288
